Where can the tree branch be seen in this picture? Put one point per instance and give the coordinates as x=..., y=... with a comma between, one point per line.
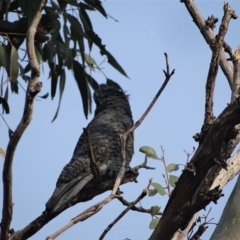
x=140, y=197
x=217, y=45
x=124, y=136
x=208, y=35
x=33, y=88
x=236, y=74
x=137, y=209
x=179, y=209
x=83, y=216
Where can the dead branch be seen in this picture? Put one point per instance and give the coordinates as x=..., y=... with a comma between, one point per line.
x=140, y=197
x=124, y=136
x=83, y=216
x=208, y=35
x=217, y=45
x=33, y=88
x=236, y=74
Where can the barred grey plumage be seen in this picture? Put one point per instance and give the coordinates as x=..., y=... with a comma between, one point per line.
x=112, y=117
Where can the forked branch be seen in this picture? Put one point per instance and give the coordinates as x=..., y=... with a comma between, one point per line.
x=124, y=136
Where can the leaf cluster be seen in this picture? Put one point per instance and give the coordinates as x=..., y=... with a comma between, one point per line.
x=170, y=182
x=63, y=36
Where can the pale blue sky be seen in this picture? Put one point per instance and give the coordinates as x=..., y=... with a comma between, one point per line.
x=146, y=29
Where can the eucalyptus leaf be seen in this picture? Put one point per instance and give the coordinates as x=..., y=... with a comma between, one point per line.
x=172, y=167
x=14, y=67
x=149, y=151
x=173, y=179
x=61, y=89
x=154, y=223
x=152, y=192
x=154, y=210
x=159, y=188
x=4, y=104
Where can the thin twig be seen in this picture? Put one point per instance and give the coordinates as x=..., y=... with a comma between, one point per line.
x=33, y=88
x=167, y=177
x=124, y=136
x=83, y=216
x=137, y=209
x=140, y=197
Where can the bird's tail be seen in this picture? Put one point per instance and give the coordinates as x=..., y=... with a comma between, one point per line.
x=61, y=201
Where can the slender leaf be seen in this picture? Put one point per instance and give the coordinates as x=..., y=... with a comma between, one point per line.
x=173, y=180
x=172, y=167
x=149, y=151
x=27, y=68
x=76, y=24
x=80, y=77
x=14, y=87
x=48, y=52
x=86, y=24
x=62, y=49
x=61, y=89
x=6, y=59
x=14, y=67
x=112, y=61
x=159, y=188
x=6, y=94
x=1, y=55
x=1, y=89
x=85, y=20
x=44, y=96
x=93, y=83
x=86, y=7
x=90, y=61
x=97, y=5
x=4, y=104
x=54, y=79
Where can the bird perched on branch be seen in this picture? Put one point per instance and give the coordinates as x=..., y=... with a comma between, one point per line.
x=112, y=117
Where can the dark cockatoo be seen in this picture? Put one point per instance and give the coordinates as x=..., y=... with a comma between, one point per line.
x=112, y=117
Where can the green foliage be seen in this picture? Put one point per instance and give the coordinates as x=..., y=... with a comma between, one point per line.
x=159, y=188
x=172, y=167
x=60, y=42
x=173, y=179
x=154, y=210
x=152, y=192
x=149, y=151
x=154, y=223
x=14, y=68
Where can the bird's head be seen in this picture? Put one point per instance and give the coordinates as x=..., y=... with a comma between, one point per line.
x=107, y=97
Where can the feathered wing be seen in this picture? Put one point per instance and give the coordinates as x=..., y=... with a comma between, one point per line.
x=112, y=118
